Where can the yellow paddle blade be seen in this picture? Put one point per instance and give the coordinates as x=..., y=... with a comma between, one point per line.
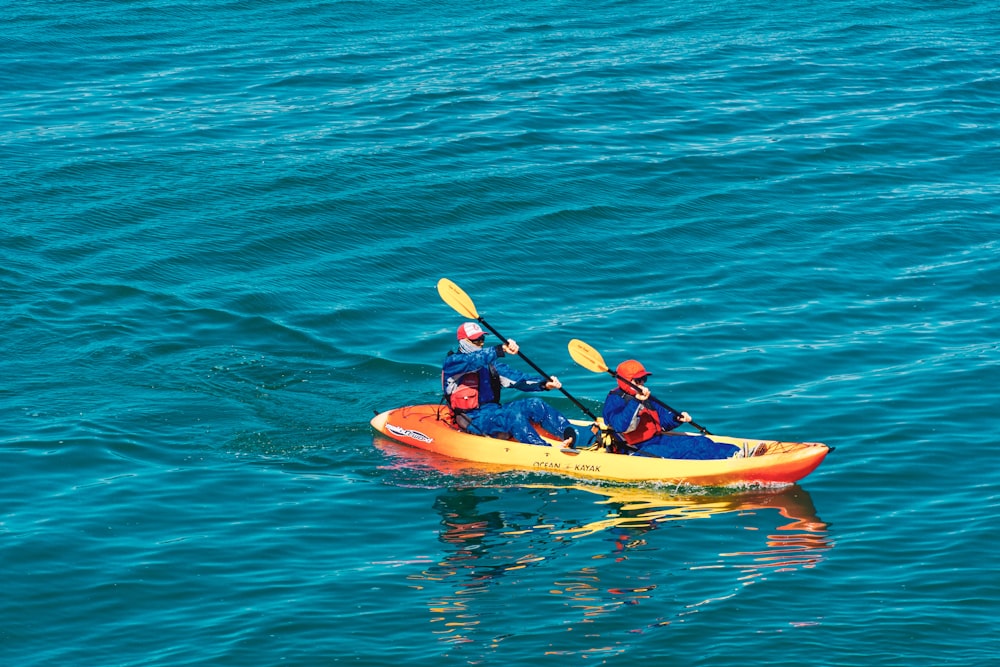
x=587, y=356
x=455, y=296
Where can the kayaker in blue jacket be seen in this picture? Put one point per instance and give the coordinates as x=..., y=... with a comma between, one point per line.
x=644, y=424
x=472, y=379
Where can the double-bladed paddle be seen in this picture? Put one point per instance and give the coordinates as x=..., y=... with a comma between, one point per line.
x=455, y=296
x=591, y=359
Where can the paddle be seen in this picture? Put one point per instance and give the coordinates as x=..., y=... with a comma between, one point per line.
x=591, y=359
x=455, y=296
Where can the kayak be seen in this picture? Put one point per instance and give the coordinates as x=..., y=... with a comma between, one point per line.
x=431, y=428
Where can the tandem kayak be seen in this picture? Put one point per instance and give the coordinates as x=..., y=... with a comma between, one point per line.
x=431, y=428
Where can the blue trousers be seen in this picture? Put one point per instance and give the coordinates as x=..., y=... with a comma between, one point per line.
x=516, y=418
x=685, y=447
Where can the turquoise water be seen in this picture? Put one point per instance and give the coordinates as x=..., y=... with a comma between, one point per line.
x=222, y=227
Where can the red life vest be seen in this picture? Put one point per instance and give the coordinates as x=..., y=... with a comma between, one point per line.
x=466, y=395
x=473, y=389
x=648, y=426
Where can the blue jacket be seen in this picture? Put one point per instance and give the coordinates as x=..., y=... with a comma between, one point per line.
x=637, y=421
x=476, y=378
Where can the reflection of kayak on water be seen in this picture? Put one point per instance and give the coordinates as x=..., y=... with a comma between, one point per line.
x=431, y=428
x=594, y=550
x=784, y=529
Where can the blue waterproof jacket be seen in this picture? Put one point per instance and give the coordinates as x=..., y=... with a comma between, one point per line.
x=624, y=413
x=472, y=379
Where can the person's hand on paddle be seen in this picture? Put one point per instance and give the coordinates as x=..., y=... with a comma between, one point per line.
x=511, y=347
x=643, y=393
x=553, y=383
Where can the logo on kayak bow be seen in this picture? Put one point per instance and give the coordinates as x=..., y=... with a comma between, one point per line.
x=407, y=433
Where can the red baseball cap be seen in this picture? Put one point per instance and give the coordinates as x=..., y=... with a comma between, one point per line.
x=470, y=330
x=630, y=370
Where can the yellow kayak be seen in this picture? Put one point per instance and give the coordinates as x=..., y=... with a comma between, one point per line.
x=431, y=428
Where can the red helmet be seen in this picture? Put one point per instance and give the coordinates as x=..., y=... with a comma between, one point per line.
x=630, y=370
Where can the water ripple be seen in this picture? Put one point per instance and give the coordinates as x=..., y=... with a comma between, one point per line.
x=223, y=226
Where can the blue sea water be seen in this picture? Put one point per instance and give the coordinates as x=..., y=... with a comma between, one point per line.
x=222, y=227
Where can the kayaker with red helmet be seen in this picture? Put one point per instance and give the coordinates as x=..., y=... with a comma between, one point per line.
x=472, y=379
x=644, y=424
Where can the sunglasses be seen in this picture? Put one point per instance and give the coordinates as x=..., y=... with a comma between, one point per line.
x=478, y=341
x=640, y=380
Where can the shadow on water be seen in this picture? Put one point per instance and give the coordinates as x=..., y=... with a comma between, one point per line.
x=604, y=559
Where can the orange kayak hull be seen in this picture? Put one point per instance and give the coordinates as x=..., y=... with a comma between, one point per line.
x=430, y=428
